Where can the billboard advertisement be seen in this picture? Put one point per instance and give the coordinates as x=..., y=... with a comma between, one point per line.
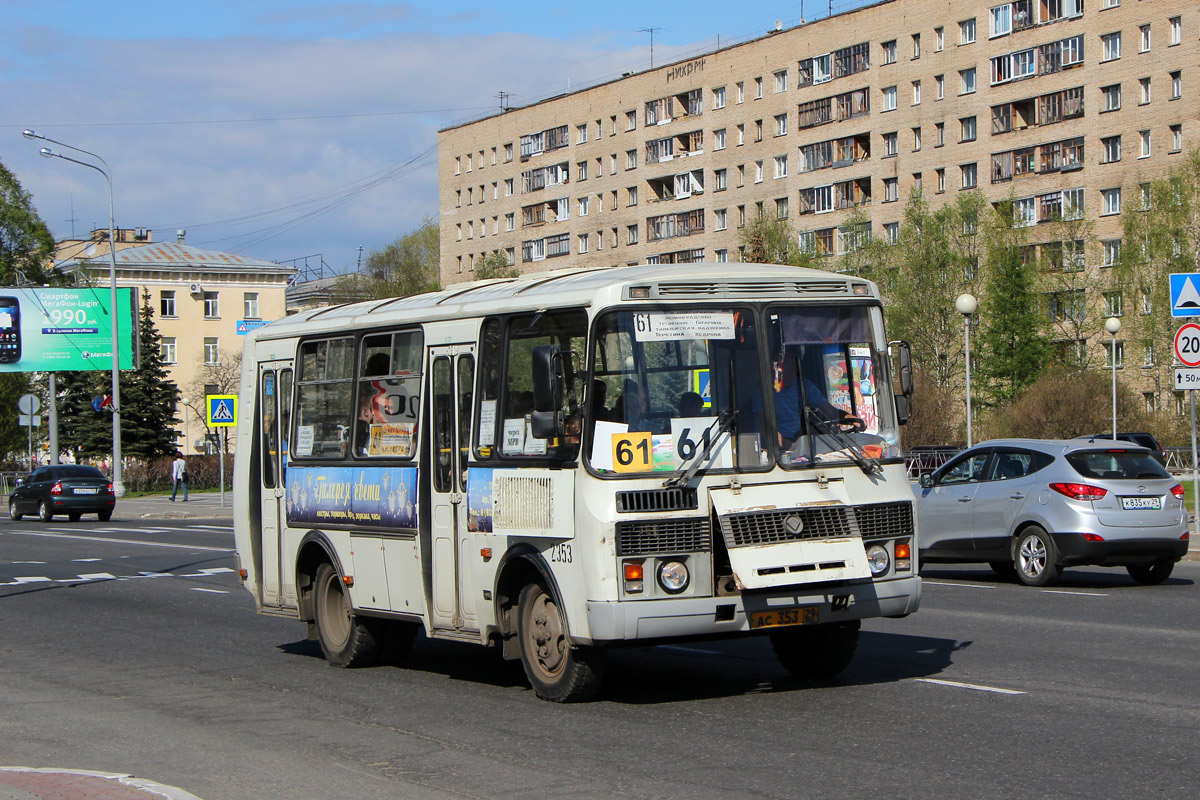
x=64, y=329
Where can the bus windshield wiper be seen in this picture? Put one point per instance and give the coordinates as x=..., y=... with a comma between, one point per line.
x=710, y=441
x=827, y=428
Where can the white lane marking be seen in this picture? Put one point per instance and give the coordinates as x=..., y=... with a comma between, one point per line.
x=126, y=541
x=974, y=686
x=29, y=562
x=153, y=575
x=688, y=649
x=207, y=573
x=19, y=580
x=97, y=576
x=1081, y=594
x=81, y=560
x=210, y=591
x=210, y=527
x=962, y=585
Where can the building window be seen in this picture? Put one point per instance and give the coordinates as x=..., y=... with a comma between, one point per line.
x=781, y=81
x=720, y=180
x=967, y=129
x=250, y=300
x=1176, y=24
x=1111, y=44
x=630, y=120
x=720, y=219
x=889, y=98
x=939, y=134
x=166, y=299
x=889, y=52
x=167, y=350
x=1109, y=347
x=1113, y=304
x=1110, y=201
x=1111, y=146
x=758, y=171
x=1145, y=29
x=1176, y=138
x=1145, y=86
x=631, y=196
x=941, y=179
x=719, y=97
x=722, y=255
x=758, y=89
x=1000, y=21
x=781, y=125
x=966, y=81
x=719, y=139
x=510, y=221
x=781, y=208
x=212, y=305
x=1111, y=98
x=1144, y=136
x=1176, y=85
x=211, y=350
x=916, y=39
x=939, y=83
x=581, y=170
x=891, y=232
x=781, y=166
x=890, y=147
x=1148, y=397
x=970, y=175
x=1109, y=3
x=508, y=152
x=630, y=159
x=966, y=31
x=891, y=190
x=741, y=92
x=581, y=133
x=939, y=39
x=582, y=246
x=631, y=234
x=1110, y=252
x=584, y=202
x=916, y=89
x=508, y=187
x=916, y=132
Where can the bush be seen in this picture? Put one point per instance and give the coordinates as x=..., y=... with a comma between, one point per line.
x=1064, y=403
x=155, y=475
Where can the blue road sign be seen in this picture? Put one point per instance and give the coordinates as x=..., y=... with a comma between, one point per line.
x=244, y=326
x=222, y=410
x=1185, y=294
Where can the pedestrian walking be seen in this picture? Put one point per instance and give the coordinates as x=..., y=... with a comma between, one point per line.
x=179, y=476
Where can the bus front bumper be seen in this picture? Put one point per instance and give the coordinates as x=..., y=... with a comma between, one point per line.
x=708, y=616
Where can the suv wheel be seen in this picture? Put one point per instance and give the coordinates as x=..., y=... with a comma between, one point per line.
x=1035, y=558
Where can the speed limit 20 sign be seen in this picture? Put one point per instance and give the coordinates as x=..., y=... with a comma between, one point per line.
x=1187, y=345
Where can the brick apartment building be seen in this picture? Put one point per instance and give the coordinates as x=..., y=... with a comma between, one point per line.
x=1063, y=104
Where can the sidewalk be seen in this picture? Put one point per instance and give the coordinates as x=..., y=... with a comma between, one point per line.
x=206, y=505
x=36, y=783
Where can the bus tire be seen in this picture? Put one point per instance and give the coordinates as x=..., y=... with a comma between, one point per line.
x=816, y=652
x=557, y=670
x=346, y=640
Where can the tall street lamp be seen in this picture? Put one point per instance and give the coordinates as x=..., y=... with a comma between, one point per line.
x=118, y=482
x=1113, y=325
x=966, y=305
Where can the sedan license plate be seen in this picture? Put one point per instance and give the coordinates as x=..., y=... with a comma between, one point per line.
x=779, y=617
x=89, y=490
x=1139, y=503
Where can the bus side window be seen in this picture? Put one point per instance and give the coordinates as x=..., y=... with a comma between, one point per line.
x=491, y=345
x=269, y=424
x=284, y=402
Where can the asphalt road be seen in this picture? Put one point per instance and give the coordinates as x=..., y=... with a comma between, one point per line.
x=130, y=647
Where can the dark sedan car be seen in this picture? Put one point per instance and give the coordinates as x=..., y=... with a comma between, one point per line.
x=70, y=489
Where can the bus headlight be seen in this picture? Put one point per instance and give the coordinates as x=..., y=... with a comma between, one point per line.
x=877, y=558
x=673, y=576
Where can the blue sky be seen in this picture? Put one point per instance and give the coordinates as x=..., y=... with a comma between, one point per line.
x=280, y=130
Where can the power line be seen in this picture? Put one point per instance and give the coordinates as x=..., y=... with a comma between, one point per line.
x=148, y=123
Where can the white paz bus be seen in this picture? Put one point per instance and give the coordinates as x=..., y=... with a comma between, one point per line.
x=566, y=462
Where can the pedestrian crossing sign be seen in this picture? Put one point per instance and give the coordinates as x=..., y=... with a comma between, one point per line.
x=222, y=410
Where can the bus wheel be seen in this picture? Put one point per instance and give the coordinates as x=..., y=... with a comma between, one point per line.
x=346, y=640
x=557, y=670
x=818, y=652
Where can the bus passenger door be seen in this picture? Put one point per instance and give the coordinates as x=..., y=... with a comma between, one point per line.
x=451, y=383
x=275, y=412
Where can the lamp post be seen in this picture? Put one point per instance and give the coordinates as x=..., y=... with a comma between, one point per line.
x=966, y=305
x=186, y=423
x=118, y=482
x=1113, y=326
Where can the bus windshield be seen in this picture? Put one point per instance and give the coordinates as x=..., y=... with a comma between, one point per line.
x=670, y=386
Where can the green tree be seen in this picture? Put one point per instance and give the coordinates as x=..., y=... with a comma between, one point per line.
x=771, y=241
x=26, y=245
x=1012, y=350
x=148, y=402
x=1161, y=225
x=407, y=266
x=496, y=265
x=1066, y=284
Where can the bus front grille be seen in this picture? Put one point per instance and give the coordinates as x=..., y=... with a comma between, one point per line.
x=644, y=537
x=885, y=519
x=682, y=499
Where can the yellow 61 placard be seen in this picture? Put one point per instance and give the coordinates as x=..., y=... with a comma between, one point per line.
x=632, y=452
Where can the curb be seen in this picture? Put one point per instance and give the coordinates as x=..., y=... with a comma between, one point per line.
x=88, y=784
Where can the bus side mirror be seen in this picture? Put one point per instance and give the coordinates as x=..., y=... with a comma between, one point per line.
x=903, y=409
x=905, y=370
x=547, y=421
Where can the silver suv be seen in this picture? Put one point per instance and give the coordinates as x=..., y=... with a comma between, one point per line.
x=1034, y=506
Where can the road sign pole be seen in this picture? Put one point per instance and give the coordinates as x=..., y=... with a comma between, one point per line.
x=1195, y=471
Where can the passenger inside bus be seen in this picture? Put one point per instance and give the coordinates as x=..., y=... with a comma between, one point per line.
x=691, y=405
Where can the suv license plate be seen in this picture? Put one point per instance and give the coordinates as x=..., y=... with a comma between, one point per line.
x=1139, y=503
x=779, y=617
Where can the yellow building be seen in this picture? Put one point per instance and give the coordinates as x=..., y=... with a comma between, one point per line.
x=203, y=301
